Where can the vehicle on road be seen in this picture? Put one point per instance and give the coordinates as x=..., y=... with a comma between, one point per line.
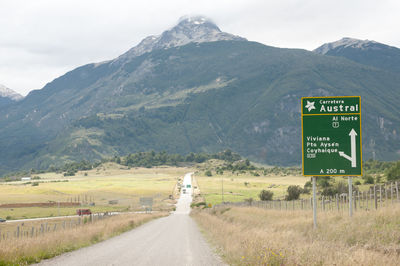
x=81, y=212
x=184, y=191
x=2, y=220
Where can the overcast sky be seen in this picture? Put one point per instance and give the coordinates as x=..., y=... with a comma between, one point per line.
x=42, y=39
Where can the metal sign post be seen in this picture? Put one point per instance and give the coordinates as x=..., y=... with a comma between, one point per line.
x=350, y=196
x=314, y=188
x=331, y=139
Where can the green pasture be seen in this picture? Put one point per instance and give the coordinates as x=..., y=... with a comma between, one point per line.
x=109, y=182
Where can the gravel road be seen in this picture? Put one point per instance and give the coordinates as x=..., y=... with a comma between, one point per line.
x=172, y=240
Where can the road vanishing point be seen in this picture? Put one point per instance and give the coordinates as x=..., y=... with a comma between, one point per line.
x=172, y=240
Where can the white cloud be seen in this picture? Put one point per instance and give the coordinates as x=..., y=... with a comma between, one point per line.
x=42, y=39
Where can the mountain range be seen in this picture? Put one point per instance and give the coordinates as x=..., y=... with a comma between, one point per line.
x=195, y=88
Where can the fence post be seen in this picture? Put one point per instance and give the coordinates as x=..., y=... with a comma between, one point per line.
x=380, y=195
x=397, y=191
x=391, y=193
x=323, y=203
x=386, y=195
x=337, y=201
x=355, y=200
x=18, y=231
x=375, y=198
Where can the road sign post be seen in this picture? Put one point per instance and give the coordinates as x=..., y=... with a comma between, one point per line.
x=350, y=196
x=314, y=187
x=331, y=138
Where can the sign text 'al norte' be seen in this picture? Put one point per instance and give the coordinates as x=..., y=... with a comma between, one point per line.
x=331, y=135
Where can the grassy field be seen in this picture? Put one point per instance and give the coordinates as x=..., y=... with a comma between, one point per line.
x=22, y=251
x=238, y=187
x=99, y=186
x=255, y=236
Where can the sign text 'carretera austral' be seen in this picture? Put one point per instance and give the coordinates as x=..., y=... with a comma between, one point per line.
x=331, y=136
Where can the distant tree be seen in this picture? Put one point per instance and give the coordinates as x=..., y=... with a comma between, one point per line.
x=394, y=172
x=266, y=195
x=368, y=179
x=293, y=192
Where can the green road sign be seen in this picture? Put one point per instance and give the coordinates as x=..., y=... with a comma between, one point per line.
x=331, y=136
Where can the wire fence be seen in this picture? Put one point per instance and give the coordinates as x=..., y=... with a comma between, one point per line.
x=377, y=196
x=31, y=229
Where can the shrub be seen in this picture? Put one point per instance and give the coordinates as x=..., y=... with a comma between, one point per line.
x=368, y=179
x=357, y=183
x=249, y=200
x=293, y=192
x=394, y=172
x=266, y=195
x=208, y=173
x=69, y=173
x=35, y=184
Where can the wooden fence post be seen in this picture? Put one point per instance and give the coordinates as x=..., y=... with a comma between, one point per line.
x=397, y=191
x=337, y=201
x=355, y=201
x=391, y=193
x=386, y=195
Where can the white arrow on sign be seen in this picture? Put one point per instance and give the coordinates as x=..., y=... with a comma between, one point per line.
x=352, y=158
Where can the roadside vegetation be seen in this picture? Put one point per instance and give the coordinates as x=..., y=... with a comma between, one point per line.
x=22, y=251
x=256, y=236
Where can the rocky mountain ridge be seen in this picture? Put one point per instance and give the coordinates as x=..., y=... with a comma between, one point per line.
x=9, y=93
x=195, y=29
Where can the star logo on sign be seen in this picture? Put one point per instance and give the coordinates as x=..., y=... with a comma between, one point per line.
x=310, y=106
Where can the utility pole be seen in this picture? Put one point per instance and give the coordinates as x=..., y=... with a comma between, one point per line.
x=222, y=188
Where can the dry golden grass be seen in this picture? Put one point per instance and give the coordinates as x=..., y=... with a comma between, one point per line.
x=100, y=185
x=31, y=250
x=255, y=236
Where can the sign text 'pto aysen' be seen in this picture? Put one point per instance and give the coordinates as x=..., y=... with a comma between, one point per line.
x=331, y=135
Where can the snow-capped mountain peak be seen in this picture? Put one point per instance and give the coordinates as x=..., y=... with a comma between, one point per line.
x=345, y=43
x=8, y=93
x=189, y=29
